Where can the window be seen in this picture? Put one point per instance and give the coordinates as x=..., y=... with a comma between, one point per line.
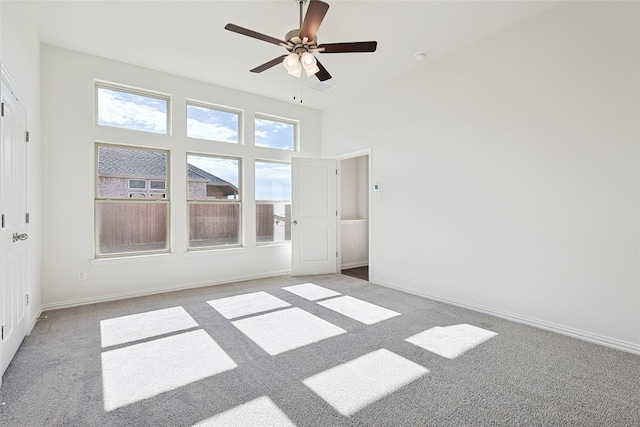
x=275, y=133
x=137, y=184
x=212, y=123
x=131, y=109
x=213, y=197
x=157, y=185
x=130, y=222
x=273, y=202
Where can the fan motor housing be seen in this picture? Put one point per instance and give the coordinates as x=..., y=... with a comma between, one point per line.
x=293, y=37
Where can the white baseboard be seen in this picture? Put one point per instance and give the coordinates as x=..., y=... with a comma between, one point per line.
x=34, y=320
x=354, y=265
x=541, y=324
x=154, y=291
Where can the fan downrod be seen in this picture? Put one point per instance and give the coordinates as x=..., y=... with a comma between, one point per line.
x=301, y=3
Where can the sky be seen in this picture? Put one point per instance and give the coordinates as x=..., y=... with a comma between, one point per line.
x=146, y=113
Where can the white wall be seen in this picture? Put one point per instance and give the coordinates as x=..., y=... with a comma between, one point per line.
x=20, y=55
x=68, y=147
x=510, y=173
x=354, y=210
x=354, y=176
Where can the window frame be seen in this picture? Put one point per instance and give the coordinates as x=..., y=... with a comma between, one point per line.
x=129, y=200
x=211, y=201
x=269, y=202
x=100, y=84
x=215, y=107
x=278, y=119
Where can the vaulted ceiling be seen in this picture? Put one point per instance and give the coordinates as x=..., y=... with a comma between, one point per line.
x=187, y=38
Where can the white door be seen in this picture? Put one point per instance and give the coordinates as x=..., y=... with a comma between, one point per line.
x=314, y=216
x=13, y=207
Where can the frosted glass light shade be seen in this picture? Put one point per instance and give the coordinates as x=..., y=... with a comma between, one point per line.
x=291, y=62
x=296, y=72
x=307, y=59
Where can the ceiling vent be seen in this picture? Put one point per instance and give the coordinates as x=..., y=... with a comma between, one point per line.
x=322, y=86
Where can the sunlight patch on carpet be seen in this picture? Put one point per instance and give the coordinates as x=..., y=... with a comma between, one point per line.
x=286, y=330
x=121, y=330
x=242, y=305
x=311, y=291
x=261, y=412
x=355, y=385
x=140, y=371
x=359, y=310
x=451, y=341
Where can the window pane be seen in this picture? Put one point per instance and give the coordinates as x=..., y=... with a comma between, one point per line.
x=212, y=178
x=212, y=124
x=122, y=169
x=273, y=181
x=136, y=183
x=131, y=227
x=129, y=110
x=274, y=134
x=157, y=185
x=273, y=222
x=213, y=224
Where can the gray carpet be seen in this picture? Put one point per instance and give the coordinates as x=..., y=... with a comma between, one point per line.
x=521, y=377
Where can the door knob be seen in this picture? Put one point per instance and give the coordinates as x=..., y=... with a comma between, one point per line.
x=295, y=223
x=22, y=236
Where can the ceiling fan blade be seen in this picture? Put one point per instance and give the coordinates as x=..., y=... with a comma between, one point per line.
x=267, y=65
x=255, y=35
x=312, y=20
x=323, y=74
x=348, y=47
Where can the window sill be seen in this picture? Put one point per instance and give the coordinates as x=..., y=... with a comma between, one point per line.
x=133, y=259
x=193, y=253
x=286, y=244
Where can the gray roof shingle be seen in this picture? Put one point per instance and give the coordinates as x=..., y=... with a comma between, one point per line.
x=135, y=163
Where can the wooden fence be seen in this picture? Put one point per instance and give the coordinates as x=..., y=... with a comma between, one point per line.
x=125, y=227
x=213, y=220
x=130, y=227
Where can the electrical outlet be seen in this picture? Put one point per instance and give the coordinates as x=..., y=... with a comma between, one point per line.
x=82, y=274
x=402, y=265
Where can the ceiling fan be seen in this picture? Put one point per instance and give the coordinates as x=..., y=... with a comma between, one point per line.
x=302, y=43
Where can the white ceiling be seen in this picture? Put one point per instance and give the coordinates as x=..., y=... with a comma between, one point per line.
x=187, y=38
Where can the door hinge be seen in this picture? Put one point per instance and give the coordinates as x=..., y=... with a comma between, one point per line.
x=2, y=108
x=26, y=218
x=26, y=299
x=27, y=136
x=336, y=213
x=336, y=254
x=2, y=220
x=3, y=332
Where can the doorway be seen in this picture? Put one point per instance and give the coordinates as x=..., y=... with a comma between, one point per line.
x=355, y=214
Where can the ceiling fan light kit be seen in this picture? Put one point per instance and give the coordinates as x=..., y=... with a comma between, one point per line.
x=302, y=43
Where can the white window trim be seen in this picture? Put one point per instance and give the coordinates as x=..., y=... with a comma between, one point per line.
x=239, y=201
x=100, y=200
x=134, y=91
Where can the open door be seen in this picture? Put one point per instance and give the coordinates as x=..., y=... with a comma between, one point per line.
x=314, y=216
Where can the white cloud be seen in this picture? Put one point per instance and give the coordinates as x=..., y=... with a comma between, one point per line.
x=120, y=109
x=212, y=131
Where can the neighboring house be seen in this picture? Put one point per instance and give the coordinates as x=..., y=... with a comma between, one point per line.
x=126, y=173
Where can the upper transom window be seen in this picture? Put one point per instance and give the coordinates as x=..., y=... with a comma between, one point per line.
x=275, y=133
x=132, y=109
x=212, y=123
